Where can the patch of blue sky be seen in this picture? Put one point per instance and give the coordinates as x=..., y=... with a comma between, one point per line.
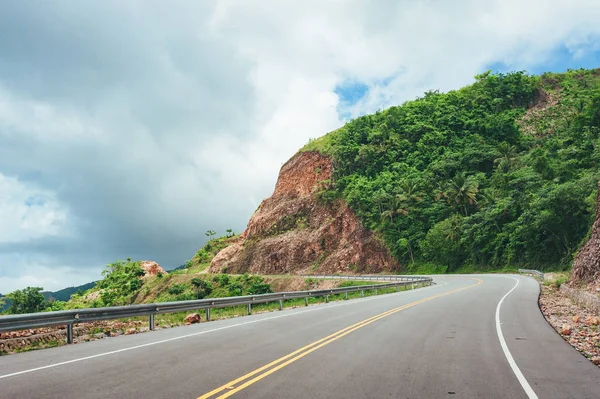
x=35, y=201
x=351, y=92
x=561, y=60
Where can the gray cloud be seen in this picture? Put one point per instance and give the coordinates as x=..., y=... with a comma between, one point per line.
x=107, y=104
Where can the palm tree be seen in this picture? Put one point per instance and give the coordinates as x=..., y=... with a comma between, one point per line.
x=507, y=158
x=410, y=188
x=406, y=197
x=461, y=192
x=397, y=207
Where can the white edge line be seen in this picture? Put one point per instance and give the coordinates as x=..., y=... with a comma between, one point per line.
x=198, y=333
x=511, y=361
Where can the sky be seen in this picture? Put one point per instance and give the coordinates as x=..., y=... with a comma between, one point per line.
x=130, y=128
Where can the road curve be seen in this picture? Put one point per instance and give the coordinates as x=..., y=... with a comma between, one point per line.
x=464, y=337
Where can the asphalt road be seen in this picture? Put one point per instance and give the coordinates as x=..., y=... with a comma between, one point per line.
x=451, y=340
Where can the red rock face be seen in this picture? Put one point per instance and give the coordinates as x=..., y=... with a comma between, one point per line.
x=293, y=232
x=151, y=268
x=586, y=266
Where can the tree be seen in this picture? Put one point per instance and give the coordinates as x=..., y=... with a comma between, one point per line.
x=28, y=300
x=442, y=242
x=230, y=233
x=410, y=189
x=461, y=192
x=507, y=158
x=210, y=233
x=121, y=280
x=397, y=207
x=403, y=245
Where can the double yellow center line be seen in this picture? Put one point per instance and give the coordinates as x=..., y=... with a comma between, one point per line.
x=246, y=380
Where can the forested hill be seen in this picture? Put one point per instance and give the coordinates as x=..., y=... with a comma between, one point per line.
x=499, y=173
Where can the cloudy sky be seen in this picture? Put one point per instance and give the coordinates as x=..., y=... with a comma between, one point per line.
x=129, y=128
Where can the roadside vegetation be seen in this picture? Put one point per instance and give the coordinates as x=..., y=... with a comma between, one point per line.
x=497, y=175
x=135, y=325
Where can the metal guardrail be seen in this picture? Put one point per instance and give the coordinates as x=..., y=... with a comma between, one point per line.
x=366, y=277
x=75, y=316
x=534, y=273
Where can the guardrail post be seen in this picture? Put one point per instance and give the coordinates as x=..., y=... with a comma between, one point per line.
x=397, y=288
x=375, y=291
x=207, y=314
x=69, y=333
x=326, y=298
x=280, y=304
x=249, y=308
x=362, y=293
x=151, y=322
x=346, y=296
x=306, y=301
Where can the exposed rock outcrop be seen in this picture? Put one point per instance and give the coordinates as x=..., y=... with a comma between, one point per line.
x=151, y=268
x=586, y=266
x=294, y=232
x=192, y=318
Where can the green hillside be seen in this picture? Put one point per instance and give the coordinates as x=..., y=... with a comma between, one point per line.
x=501, y=173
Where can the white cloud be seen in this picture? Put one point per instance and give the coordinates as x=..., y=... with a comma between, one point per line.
x=51, y=278
x=154, y=124
x=28, y=213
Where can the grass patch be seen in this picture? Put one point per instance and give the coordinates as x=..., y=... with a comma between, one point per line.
x=323, y=144
x=39, y=345
x=557, y=280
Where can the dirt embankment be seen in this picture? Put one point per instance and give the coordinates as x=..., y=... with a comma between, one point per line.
x=586, y=265
x=573, y=309
x=295, y=232
x=578, y=325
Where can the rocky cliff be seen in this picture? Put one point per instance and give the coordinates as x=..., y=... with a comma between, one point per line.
x=151, y=268
x=586, y=266
x=294, y=232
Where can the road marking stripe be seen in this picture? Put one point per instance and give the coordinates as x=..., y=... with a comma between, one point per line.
x=513, y=365
x=327, y=306
x=300, y=353
x=230, y=385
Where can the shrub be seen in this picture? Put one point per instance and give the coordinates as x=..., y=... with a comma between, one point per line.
x=203, y=288
x=235, y=289
x=258, y=288
x=54, y=305
x=221, y=279
x=176, y=289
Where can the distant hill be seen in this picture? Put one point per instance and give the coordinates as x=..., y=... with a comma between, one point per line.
x=65, y=293
x=180, y=267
